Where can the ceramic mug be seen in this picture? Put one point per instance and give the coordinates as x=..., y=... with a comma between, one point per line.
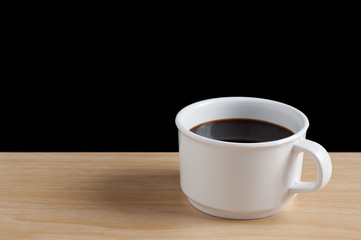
x=246, y=180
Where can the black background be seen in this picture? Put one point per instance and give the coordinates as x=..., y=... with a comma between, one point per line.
x=116, y=82
x=140, y=117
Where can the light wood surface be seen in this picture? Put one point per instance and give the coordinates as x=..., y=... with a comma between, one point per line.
x=137, y=196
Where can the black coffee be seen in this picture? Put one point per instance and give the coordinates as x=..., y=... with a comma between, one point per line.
x=241, y=130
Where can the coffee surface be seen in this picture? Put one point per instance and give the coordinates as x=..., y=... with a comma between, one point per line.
x=241, y=130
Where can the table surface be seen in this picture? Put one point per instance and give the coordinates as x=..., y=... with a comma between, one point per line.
x=138, y=196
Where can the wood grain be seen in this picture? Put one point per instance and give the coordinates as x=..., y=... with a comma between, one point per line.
x=137, y=196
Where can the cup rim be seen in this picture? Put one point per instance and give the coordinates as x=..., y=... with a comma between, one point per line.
x=187, y=132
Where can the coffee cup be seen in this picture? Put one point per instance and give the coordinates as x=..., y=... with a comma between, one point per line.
x=246, y=180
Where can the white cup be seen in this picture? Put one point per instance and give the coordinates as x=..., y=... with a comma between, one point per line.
x=246, y=180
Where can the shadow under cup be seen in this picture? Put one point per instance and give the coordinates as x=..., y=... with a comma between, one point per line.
x=241, y=180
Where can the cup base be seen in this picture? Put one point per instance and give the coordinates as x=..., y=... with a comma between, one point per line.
x=235, y=215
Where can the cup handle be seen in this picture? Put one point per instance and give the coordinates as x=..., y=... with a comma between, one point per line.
x=324, y=165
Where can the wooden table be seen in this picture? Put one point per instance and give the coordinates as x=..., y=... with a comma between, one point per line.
x=137, y=196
